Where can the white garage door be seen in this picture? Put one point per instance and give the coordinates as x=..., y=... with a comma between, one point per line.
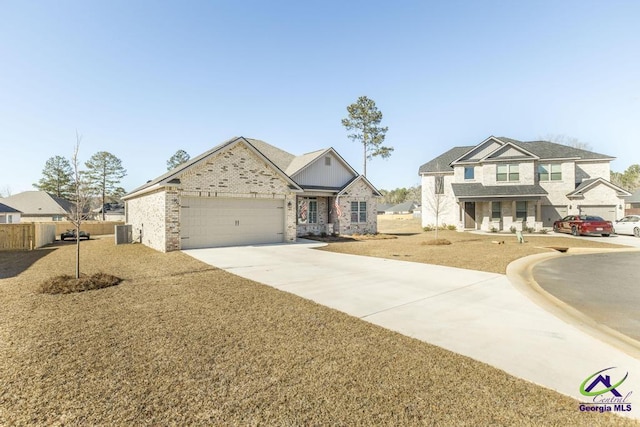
x=552, y=213
x=606, y=212
x=214, y=222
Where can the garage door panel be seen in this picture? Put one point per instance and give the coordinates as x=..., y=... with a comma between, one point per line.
x=230, y=222
x=606, y=212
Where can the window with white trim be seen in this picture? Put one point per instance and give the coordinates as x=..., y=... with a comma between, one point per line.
x=307, y=210
x=358, y=211
x=550, y=172
x=469, y=172
x=508, y=173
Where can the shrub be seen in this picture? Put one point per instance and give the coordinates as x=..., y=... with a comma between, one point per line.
x=323, y=234
x=437, y=242
x=429, y=228
x=494, y=230
x=544, y=231
x=452, y=227
x=66, y=284
x=513, y=229
x=531, y=230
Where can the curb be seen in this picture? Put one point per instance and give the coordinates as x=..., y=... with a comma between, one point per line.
x=519, y=273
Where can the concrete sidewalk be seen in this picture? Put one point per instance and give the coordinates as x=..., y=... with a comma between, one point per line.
x=477, y=314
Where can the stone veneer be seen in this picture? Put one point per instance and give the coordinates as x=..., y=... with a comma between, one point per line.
x=358, y=191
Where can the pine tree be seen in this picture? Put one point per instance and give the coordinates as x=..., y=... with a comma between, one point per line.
x=103, y=174
x=364, y=118
x=57, y=178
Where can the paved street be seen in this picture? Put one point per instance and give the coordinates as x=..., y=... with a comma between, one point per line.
x=604, y=286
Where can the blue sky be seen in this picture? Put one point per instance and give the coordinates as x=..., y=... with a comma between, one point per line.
x=142, y=79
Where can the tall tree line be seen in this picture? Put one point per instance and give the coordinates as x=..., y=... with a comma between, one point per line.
x=101, y=177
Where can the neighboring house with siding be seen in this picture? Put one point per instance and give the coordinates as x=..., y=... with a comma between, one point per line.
x=245, y=191
x=502, y=182
x=9, y=215
x=39, y=206
x=632, y=204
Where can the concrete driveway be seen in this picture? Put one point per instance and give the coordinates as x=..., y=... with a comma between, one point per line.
x=616, y=239
x=477, y=314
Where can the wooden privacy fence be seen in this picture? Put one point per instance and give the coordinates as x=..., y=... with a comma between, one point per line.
x=95, y=228
x=31, y=235
x=17, y=236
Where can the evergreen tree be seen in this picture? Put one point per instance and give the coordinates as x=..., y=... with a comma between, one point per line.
x=364, y=119
x=103, y=174
x=57, y=178
x=177, y=159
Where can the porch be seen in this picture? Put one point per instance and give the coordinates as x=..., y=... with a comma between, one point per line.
x=500, y=214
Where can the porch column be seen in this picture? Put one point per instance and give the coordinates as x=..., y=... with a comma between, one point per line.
x=538, y=210
x=513, y=211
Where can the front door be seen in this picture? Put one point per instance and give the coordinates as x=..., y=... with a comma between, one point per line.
x=469, y=215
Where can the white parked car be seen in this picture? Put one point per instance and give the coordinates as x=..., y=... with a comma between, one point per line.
x=630, y=224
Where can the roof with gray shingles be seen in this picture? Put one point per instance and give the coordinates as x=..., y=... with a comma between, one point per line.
x=300, y=162
x=7, y=209
x=288, y=163
x=589, y=182
x=478, y=190
x=38, y=203
x=442, y=162
x=635, y=197
x=403, y=207
x=543, y=149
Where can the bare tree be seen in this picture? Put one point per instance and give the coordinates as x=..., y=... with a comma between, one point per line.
x=569, y=141
x=81, y=198
x=435, y=199
x=5, y=191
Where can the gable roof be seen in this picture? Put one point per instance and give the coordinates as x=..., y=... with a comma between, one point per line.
x=302, y=162
x=544, y=150
x=7, y=209
x=356, y=179
x=38, y=203
x=284, y=162
x=588, y=184
x=443, y=161
x=280, y=156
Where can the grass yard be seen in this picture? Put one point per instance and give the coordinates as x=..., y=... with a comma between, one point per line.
x=467, y=250
x=180, y=343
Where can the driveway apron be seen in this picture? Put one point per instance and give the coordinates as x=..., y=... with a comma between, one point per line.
x=477, y=314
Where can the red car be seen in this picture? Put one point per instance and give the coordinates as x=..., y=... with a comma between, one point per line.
x=583, y=224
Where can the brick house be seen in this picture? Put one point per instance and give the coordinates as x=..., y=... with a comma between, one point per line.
x=502, y=182
x=245, y=191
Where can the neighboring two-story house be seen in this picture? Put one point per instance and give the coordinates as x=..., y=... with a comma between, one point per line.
x=503, y=183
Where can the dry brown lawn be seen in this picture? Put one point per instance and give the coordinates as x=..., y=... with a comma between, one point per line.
x=467, y=250
x=181, y=343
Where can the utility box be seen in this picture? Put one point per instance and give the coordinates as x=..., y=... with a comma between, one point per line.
x=123, y=234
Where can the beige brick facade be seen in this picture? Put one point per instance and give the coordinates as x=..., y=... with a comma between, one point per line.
x=237, y=171
x=357, y=192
